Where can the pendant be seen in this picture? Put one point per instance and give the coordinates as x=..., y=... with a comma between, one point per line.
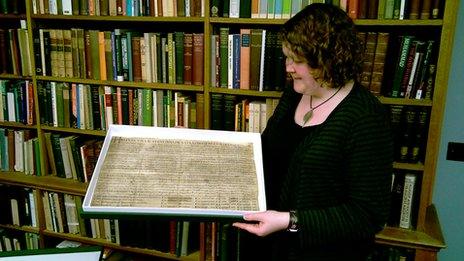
x=307, y=116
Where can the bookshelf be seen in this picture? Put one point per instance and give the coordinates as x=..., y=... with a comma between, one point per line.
x=425, y=238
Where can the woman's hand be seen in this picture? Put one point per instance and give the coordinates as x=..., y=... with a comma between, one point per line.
x=264, y=223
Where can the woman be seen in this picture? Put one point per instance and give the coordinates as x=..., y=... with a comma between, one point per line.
x=327, y=149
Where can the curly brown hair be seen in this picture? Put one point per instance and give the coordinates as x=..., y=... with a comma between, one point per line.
x=325, y=37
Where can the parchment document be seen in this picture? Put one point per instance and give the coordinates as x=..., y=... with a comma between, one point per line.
x=168, y=173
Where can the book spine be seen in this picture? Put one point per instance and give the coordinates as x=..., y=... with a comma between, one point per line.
x=406, y=206
x=197, y=59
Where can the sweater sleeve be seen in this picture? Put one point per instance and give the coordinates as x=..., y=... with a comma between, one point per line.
x=364, y=209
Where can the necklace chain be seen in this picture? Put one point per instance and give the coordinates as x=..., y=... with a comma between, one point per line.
x=309, y=114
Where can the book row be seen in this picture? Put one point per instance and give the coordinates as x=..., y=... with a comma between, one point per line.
x=19, y=151
x=17, y=102
x=409, y=69
x=72, y=157
x=15, y=54
x=62, y=214
x=410, y=130
x=356, y=9
x=229, y=112
x=95, y=107
x=12, y=7
x=120, y=55
x=249, y=59
x=415, y=68
x=156, y=8
x=11, y=240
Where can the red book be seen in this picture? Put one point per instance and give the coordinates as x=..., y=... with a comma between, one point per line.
x=188, y=58
x=136, y=59
x=353, y=8
x=414, y=9
x=198, y=57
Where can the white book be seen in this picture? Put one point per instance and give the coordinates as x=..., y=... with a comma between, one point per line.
x=67, y=7
x=19, y=150
x=147, y=57
x=66, y=160
x=53, y=7
x=10, y=99
x=28, y=157
x=81, y=100
x=261, y=63
x=14, y=211
x=33, y=207
x=71, y=214
x=230, y=61
x=402, y=9
x=116, y=232
x=107, y=229
x=35, y=6
x=54, y=106
x=406, y=206
x=42, y=52
x=7, y=242
x=234, y=8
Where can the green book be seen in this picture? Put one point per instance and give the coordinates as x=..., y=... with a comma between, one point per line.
x=223, y=56
x=37, y=156
x=179, y=44
x=147, y=107
x=401, y=65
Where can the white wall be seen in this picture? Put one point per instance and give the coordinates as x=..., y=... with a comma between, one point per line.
x=449, y=182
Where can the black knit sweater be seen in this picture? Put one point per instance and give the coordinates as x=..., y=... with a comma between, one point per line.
x=337, y=176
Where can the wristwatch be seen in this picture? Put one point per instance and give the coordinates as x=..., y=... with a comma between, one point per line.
x=293, y=222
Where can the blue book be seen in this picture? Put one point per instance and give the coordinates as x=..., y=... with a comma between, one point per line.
x=236, y=61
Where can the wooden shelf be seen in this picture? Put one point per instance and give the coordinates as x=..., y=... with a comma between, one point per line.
x=106, y=18
x=49, y=182
x=409, y=166
x=28, y=229
x=267, y=94
x=12, y=124
x=74, y=130
x=104, y=243
x=403, y=101
x=14, y=77
x=429, y=240
x=145, y=85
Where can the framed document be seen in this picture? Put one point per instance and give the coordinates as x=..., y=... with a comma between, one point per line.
x=177, y=172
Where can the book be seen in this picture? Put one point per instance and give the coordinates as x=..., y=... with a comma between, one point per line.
x=255, y=57
x=379, y=63
x=245, y=58
x=406, y=41
x=207, y=139
x=369, y=56
x=409, y=192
